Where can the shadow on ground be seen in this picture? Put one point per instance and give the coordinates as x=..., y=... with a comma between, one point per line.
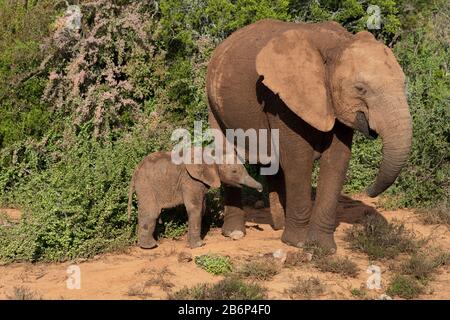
x=348, y=211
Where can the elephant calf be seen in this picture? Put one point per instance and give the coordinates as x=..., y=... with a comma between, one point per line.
x=161, y=184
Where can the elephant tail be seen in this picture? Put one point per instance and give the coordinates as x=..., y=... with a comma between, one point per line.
x=130, y=194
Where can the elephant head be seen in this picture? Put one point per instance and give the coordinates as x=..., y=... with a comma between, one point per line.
x=213, y=174
x=235, y=175
x=328, y=74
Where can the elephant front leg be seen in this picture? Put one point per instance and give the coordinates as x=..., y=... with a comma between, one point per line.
x=234, y=216
x=194, y=208
x=333, y=169
x=297, y=170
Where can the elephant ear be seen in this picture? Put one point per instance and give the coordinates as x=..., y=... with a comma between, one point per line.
x=206, y=173
x=294, y=69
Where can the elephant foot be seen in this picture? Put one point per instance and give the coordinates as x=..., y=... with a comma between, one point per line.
x=295, y=237
x=234, y=224
x=148, y=244
x=195, y=243
x=236, y=235
x=323, y=239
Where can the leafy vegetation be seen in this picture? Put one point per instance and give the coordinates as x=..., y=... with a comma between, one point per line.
x=79, y=109
x=412, y=276
x=306, y=288
x=406, y=287
x=230, y=288
x=343, y=266
x=358, y=293
x=419, y=266
x=263, y=269
x=215, y=264
x=380, y=239
x=437, y=215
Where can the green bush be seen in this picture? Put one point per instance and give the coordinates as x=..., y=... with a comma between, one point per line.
x=22, y=28
x=406, y=287
x=76, y=207
x=215, y=264
x=352, y=14
x=173, y=230
x=424, y=54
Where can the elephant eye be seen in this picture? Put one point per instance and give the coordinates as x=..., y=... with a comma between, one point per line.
x=360, y=88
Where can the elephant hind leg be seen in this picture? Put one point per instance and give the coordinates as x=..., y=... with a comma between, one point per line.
x=276, y=211
x=146, y=227
x=277, y=200
x=234, y=216
x=195, y=213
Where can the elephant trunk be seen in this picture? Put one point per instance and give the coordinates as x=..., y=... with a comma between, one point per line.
x=252, y=183
x=395, y=129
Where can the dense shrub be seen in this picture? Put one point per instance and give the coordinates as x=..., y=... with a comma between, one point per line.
x=78, y=110
x=22, y=113
x=77, y=206
x=424, y=54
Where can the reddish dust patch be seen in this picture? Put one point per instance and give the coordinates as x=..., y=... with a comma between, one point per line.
x=132, y=274
x=9, y=215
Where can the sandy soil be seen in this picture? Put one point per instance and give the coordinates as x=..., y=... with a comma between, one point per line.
x=124, y=275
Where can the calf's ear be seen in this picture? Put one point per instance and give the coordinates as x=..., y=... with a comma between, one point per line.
x=206, y=173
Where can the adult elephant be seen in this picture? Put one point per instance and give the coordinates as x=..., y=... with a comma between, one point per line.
x=316, y=84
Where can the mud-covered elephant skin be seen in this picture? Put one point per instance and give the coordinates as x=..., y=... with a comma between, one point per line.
x=316, y=84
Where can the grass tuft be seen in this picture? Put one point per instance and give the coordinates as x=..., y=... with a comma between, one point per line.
x=437, y=215
x=441, y=259
x=258, y=270
x=138, y=290
x=316, y=250
x=419, y=266
x=230, y=288
x=343, y=266
x=358, y=293
x=23, y=293
x=404, y=286
x=159, y=279
x=306, y=288
x=380, y=239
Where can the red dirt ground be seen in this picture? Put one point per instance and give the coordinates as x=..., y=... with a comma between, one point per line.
x=123, y=275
